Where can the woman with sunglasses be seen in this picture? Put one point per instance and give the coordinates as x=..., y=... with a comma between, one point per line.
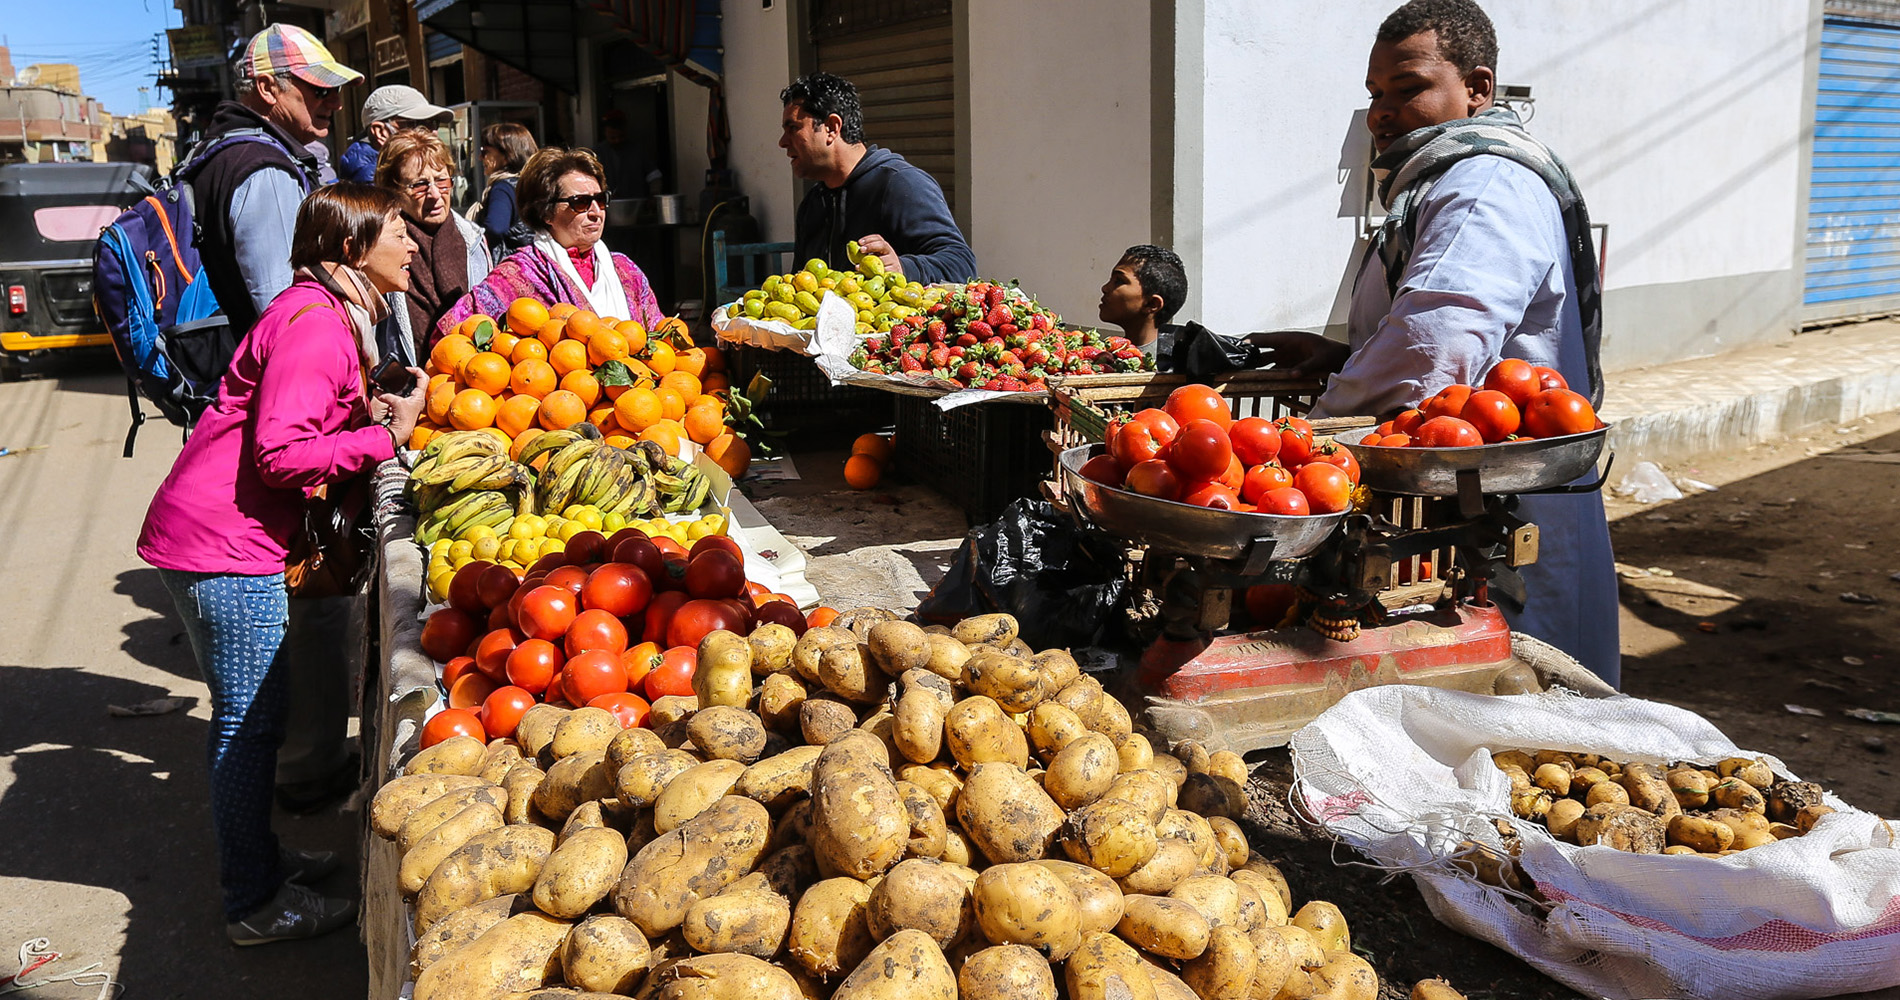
x=451, y=253
x=563, y=196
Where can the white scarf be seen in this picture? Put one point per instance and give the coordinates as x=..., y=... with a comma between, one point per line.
x=607, y=299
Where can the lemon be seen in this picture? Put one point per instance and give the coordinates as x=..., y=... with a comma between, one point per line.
x=439, y=584
x=612, y=521
x=461, y=552
x=551, y=545
x=697, y=530
x=476, y=533
x=487, y=548
x=507, y=550
x=573, y=511
x=440, y=546
x=461, y=561
x=569, y=529
x=590, y=517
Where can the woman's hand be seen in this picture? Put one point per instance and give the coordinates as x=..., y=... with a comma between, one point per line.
x=400, y=413
x=1304, y=353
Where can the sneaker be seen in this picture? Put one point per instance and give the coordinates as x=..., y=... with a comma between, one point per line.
x=295, y=912
x=306, y=866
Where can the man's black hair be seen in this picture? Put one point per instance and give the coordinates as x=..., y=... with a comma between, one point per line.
x=1465, y=36
x=822, y=95
x=1160, y=272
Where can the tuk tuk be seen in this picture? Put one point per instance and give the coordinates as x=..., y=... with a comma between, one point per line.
x=50, y=218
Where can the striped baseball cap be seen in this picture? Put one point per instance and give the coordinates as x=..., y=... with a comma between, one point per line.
x=287, y=49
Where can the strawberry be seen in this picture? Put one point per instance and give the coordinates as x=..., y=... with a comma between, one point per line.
x=994, y=341
x=1117, y=343
x=1008, y=358
x=1009, y=330
x=968, y=371
x=966, y=340
x=900, y=332
x=939, y=358
x=1035, y=356
x=1041, y=322
x=1016, y=341
x=992, y=297
x=998, y=315
x=918, y=351
x=908, y=364
x=875, y=344
x=936, y=330
x=982, y=330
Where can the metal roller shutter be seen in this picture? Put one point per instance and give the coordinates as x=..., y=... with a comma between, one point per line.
x=1853, y=238
x=905, y=72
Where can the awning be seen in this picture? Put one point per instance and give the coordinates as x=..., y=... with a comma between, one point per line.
x=684, y=34
x=534, y=36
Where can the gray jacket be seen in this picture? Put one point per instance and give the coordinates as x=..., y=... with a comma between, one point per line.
x=393, y=334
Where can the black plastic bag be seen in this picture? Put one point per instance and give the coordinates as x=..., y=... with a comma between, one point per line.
x=1063, y=584
x=1201, y=353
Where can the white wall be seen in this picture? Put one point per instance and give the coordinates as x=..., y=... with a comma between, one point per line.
x=758, y=66
x=1682, y=120
x=1059, y=144
x=689, y=105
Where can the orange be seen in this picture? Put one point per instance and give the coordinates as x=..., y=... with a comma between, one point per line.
x=521, y=441
x=474, y=325
x=692, y=361
x=673, y=329
x=715, y=359
x=562, y=310
x=619, y=440
x=672, y=404
x=525, y=316
x=875, y=445
x=528, y=349
x=504, y=344
x=583, y=325
x=533, y=377
x=472, y=410
x=419, y=438
x=551, y=332
x=660, y=358
x=861, y=472
x=707, y=399
x=516, y=414
x=638, y=409
x=560, y=410
x=667, y=434
x=439, y=379
x=731, y=453
x=582, y=383
x=703, y=423
x=603, y=418
x=437, y=407
x=715, y=381
x=604, y=346
x=568, y=356
x=635, y=333
x=683, y=382
x=486, y=371
x=449, y=352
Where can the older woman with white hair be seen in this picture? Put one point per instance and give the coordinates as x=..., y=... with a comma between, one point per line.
x=451, y=252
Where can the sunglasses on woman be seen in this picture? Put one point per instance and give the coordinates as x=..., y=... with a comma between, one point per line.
x=582, y=202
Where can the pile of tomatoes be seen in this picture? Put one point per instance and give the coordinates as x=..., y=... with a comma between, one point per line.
x=1517, y=401
x=611, y=623
x=1193, y=451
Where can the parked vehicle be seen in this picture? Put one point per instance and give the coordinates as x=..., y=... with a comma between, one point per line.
x=50, y=217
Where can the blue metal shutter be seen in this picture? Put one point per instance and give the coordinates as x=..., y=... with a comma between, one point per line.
x=1853, y=239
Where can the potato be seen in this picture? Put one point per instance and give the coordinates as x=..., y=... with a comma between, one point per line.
x=693, y=791
x=995, y=630
x=746, y=923
x=670, y=709
x=922, y=895
x=859, y=825
x=812, y=645
x=1562, y=818
x=1273, y=966
x=1626, y=828
x=691, y=862
x=939, y=782
x=945, y=656
x=455, y=755
x=1053, y=727
x=587, y=817
x=1254, y=914
x=906, y=966
x=1013, y=683
x=1172, y=862
x=520, y=784
x=1270, y=872
x=1112, y=719
x=959, y=850
x=917, y=725
x=1216, y=897
x=459, y=928
x=536, y=729
x=929, y=830
x=1701, y=835
x=1327, y=925
x=1552, y=778
x=1162, y=926
x=897, y=646
x=491, y=864
x=1301, y=946
x=775, y=781
x=520, y=953
x=978, y=732
x=1104, y=967
x=630, y=743
x=1648, y=791
x=771, y=648
x=438, y=810
x=1232, y=840
x=781, y=696
x=1193, y=828
x=1098, y=900
x=1149, y=790
x=859, y=620
x=1057, y=667
x=1734, y=793
x=1755, y=772
x=1082, y=771
x=1607, y=793
x=1006, y=814
x=723, y=977
x=830, y=932
x=848, y=672
x=788, y=870
x=1027, y=904
x=583, y=730
x=580, y=872
x=500, y=758
x=793, y=826
x=606, y=953
x=821, y=720
x=1006, y=972
x=1213, y=795
x=723, y=732
x=444, y=840
x=1515, y=758
x=1434, y=989
x=1135, y=753
x=401, y=796
x=1787, y=798
x=1809, y=815
x=1561, y=758
x=641, y=780
x=1346, y=977
x=574, y=779
x=1225, y=969
x=1689, y=786
x=723, y=675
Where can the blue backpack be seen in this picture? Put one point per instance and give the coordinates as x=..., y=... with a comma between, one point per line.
x=149, y=289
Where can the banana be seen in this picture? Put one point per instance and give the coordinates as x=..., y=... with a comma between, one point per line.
x=483, y=472
x=486, y=503
x=428, y=498
x=602, y=467
x=458, y=444
x=588, y=431
x=561, y=496
x=567, y=457
x=505, y=474
x=492, y=516
x=547, y=442
x=453, y=506
x=450, y=471
x=614, y=492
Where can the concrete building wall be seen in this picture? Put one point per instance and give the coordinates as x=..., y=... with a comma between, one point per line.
x=1683, y=121
x=759, y=45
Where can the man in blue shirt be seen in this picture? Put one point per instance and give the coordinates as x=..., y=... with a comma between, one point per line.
x=387, y=111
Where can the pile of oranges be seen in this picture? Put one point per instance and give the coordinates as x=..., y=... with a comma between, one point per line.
x=870, y=453
x=542, y=368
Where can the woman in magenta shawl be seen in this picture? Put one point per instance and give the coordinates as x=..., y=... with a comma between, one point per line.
x=563, y=197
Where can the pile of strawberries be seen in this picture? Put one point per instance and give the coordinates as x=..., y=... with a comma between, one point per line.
x=991, y=336
x=1517, y=401
x=1193, y=451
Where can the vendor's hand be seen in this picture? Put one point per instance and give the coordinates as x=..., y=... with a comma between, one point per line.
x=1301, y=352
x=881, y=248
x=402, y=412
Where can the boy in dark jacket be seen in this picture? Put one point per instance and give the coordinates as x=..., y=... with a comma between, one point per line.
x=865, y=193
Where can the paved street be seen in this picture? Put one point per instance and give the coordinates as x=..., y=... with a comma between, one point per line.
x=105, y=836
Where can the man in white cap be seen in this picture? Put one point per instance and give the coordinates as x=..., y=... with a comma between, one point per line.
x=387, y=111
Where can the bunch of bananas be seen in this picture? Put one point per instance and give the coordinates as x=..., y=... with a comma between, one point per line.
x=582, y=470
x=679, y=483
x=880, y=299
x=465, y=478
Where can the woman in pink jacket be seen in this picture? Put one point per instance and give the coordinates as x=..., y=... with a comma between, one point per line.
x=292, y=414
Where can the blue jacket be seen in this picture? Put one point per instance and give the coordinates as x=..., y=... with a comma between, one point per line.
x=358, y=163
x=888, y=196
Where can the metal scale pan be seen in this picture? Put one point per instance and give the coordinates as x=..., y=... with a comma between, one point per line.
x=1532, y=466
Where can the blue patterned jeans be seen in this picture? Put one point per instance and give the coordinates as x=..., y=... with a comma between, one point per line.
x=236, y=625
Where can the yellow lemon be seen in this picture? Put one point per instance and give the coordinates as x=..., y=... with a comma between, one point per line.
x=612, y=521
x=487, y=548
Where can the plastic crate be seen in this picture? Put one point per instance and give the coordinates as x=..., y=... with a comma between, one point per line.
x=801, y=397
x=981, y=457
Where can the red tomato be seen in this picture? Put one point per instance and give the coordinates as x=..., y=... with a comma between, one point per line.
x=592, y=673
x=533, y=664
x=1514, y=378
x=503, y=709
x=548, y=563
x=620, y=589
x=1393, y=441
x=570, y=576
x=1493, y=414
x=674, y=675
x=1447, y=432
x=639, y=551
x=1285, y=500
x=1334, y=453
x=528, y=584
x=1264, y=479
x=1548, y=379
x=660, y=614
x=715, y=542
x=596, y=629
x=1134, y=443
x=1103, y=469
x=748, y=617
x=496, y=584
x=555, y=694
x=1155, y=478
x=547, y=611
x=1551, y=413
x=469, y=690
x=1255, y=440
x=630, y=709
x=1292, y=421
x=491, y=653
x=695, y=620
x=1268, y=603
x=1381, y=431
x=449, y=632
x=1163, y=427
x=782, y=613
x=1213, y=495
x=1198, y=402
x=451, y=722
x=1450, y=402
x=1328, y=489
x=464, y=595
x=1235, y=475
x=455, y=668
x=821, y=616
x=640, y=661
x=586, y=547
x=1201, y=452
x=715, y=573
x=669, y=549
x=1408, y=421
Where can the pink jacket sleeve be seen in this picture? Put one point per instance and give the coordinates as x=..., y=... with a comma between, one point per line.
x=310, y=382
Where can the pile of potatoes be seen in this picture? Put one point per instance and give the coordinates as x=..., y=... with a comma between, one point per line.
x=1680, y=809
x=872, y=811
